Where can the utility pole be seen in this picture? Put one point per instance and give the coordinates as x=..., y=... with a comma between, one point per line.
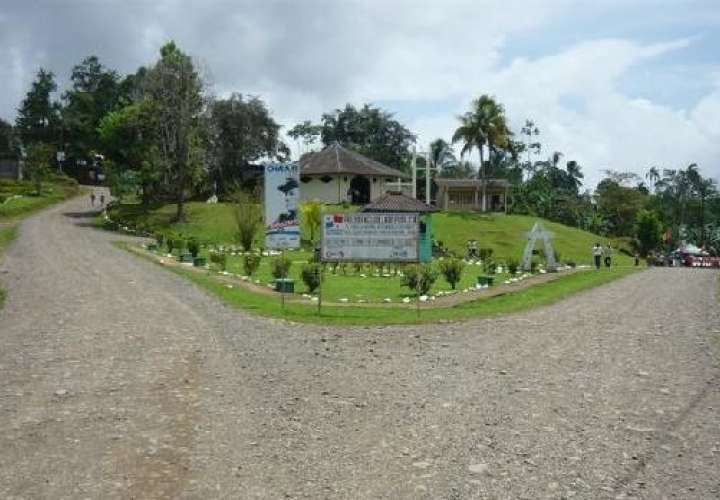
x=413, y=166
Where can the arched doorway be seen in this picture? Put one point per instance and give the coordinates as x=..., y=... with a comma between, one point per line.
x=360, y=190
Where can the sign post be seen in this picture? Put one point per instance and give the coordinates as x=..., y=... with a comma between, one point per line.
x=282, y=227
x=372, y=237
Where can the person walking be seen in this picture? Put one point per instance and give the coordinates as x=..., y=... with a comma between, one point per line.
x=608, y=255
x=597, y=252
x=92, y=198
x=102, y=200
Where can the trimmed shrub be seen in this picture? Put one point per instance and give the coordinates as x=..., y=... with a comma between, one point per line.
x=452, y=270
x=180, y=245
x=248, y=215
x=311, y=276
x=280, y=267
x=219, y=259
x=485, y=253
x=193, y=246
x=513, y=265
x=489, y=266
x=251, y=262
x=419, y=280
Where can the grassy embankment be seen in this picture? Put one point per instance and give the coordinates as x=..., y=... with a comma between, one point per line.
x=504, y=234
x=18, y=200
x=523, y=299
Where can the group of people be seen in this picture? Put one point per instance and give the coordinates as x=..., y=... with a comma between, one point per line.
x=93, y=197
x=602, y=255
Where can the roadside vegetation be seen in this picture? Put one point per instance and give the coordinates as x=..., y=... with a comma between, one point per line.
x=21, y=199
x=527, y=298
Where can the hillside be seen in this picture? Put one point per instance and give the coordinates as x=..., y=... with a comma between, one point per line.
x=505, y=234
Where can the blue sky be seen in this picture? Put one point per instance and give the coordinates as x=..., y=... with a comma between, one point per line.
x=621, y=84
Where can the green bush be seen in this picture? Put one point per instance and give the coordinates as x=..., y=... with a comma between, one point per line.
x=452, y=270
x=219, y=259
x=193, y=247
x=311, y=276
x=180, y=245
x=170, y=244
x=489, y=266
x=513, y=265
x=485, y=253
x=280, y=267
x=419, y=280
x=251, y=262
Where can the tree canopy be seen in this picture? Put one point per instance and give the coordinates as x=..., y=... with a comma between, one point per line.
x=369, y=131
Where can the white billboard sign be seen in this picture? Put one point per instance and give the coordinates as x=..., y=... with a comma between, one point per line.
x=282, y=194
x=370, y=237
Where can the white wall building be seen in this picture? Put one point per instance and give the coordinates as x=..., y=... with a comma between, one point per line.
x=336, y=175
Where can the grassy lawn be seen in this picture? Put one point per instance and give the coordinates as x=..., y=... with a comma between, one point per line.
x=7, y=235
x=505, y=234
x=534, y=296
x=18, y=199
x=365, y=283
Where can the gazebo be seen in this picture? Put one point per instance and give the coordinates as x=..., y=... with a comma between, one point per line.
x=337, y=174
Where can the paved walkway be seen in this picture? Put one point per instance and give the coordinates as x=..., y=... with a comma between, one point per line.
x=121, y=380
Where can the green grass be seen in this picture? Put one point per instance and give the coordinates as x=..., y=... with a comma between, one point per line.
x=54, y=191
x=7, y=235
x=505, y=234
x=534, y=296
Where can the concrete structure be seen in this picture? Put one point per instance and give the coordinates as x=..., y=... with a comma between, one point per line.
x=336, y=175
x=10, y=169
x=467, y=194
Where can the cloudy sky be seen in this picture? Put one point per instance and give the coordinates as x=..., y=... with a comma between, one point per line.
x=621, y=84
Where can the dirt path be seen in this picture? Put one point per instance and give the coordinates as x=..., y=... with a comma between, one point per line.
x=121, y=380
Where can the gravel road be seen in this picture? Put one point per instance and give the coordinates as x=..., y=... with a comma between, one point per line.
x=121, y=380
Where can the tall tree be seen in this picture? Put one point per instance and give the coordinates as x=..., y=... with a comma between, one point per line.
x=370, y=131
x=8, y=141
x=484, y=125
x=94, y=93
x=306, y=133
x=128, y=138
x=653, y=176
x=175, y=90
x=442, y=156
x=530, y=131
x=241, y=131
x=38, y=118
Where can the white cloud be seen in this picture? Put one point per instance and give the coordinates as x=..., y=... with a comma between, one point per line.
x=306, y=58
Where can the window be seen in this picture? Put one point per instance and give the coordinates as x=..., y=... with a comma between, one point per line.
x=305, y=178
x=326, y=178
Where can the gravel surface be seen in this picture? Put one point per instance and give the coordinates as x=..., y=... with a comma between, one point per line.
x=121, y=380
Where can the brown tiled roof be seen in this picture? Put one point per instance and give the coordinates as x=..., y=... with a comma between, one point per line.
x=471, y=183
x=335, y=159
x=396, y=202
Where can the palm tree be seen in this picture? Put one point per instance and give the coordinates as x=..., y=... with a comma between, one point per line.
x=574, y=173
x=441, y=155
x=484, y=125
x=653, y=176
